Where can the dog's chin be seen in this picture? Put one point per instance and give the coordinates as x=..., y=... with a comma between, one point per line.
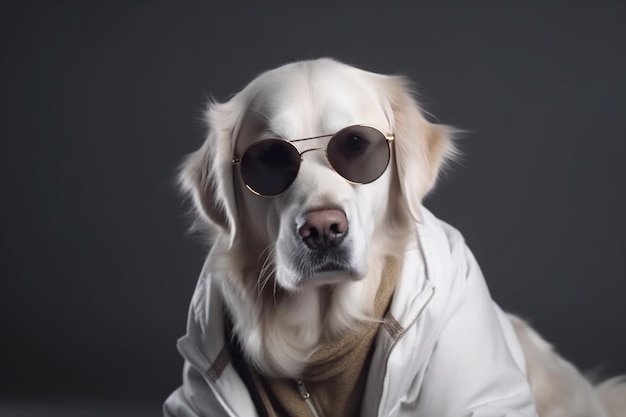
x=326, y=274
x=332, y=274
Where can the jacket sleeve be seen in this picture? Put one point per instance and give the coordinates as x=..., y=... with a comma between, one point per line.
x=183, y=402
x=475, y=368
x=193, y=399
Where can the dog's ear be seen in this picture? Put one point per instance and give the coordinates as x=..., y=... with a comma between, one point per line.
x=206, y=174
x=421, y=148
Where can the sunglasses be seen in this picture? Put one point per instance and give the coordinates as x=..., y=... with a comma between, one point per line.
x=358, y=153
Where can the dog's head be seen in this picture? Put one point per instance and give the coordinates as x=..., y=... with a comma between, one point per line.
x=323, y=227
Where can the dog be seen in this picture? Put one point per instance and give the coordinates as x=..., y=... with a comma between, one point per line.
x=329, y=290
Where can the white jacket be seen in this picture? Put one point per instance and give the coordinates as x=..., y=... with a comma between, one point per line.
x=451, y=352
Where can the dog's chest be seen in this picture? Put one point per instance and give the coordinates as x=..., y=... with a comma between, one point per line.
x=333, y=384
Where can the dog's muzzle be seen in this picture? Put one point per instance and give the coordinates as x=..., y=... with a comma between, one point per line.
x=324, y=247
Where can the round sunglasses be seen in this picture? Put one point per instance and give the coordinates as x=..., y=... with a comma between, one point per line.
x=358, y=153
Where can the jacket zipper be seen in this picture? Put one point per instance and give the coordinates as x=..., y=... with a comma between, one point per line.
x=306, y=396
x=401, y=335
x=419, y=314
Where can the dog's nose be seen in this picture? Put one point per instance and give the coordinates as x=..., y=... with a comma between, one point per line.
x=324, y=228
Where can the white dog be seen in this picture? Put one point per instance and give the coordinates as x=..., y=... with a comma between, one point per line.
x=329, y=290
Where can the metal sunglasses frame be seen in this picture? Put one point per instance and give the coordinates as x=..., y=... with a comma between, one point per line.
x=389, y=137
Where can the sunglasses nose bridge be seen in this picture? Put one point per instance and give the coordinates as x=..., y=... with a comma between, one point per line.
x=323, y=157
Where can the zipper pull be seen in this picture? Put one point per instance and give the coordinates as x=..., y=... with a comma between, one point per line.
x=303, y=391
x=306, y=396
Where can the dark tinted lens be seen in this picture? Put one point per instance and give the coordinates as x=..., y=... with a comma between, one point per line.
x=359, y=153
x=270, y=166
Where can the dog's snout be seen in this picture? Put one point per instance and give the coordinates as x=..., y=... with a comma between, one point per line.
x=324, y=228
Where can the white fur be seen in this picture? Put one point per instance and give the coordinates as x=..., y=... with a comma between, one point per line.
x=281, y=311
x=560, y=389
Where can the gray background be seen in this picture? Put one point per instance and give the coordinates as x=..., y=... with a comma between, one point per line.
x=100, y=101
